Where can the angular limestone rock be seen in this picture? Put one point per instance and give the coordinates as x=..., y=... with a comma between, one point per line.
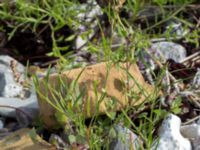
x=170, y=136
x=13, y=93
x=105, y=85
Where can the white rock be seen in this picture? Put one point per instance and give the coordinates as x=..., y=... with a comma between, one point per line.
x=12, y=94
x=170, y=136
x=90, y=11
x=8, y=85
x=125, y=140
x=12, y=90
x=168, y=50
x=80, y=42
x=191, y=131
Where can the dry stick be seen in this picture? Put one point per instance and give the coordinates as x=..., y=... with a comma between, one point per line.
x=195, y=101
x=168, y=82
x=17, y=109
x=170, y=75
x=191, y=60
x=193, y=97
x=42, y=30
x=190, y=57
x=197, y=20
x=196, y=58
x=191, y=120
x=51, y=62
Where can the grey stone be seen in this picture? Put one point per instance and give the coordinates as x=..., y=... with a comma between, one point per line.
x=125, y=139
x=12, y=90
x=168, y=50
x=196, y=79
x=195, y=143
x=2, y=83
x=29, y=105
x=14, y=95
x=170, y=137
x=191, y=131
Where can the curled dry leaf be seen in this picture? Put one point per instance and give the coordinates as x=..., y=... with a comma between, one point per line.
x=109, y=86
